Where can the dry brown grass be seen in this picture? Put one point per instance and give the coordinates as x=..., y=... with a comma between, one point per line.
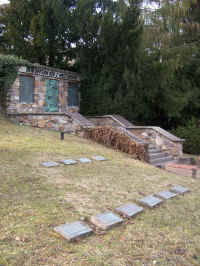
x=34, y=199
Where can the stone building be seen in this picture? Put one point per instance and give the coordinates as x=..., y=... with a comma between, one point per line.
x=46, y=97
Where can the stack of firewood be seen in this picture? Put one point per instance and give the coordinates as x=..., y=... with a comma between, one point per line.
x=113, y=138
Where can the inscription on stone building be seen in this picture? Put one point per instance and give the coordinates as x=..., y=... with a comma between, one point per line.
x=46, y=72
x=43, y=72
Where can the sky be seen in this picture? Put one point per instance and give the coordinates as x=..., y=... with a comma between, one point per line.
x=3, y=1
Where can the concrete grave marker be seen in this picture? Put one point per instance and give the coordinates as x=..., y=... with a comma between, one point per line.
x=166, y=195
x=179, y=189
x=99, y=158
x=50, y=164
x=150, y=201
x=73, y=230
x=129, y=210
x=68, y=162
x=106, y=220
x=85, y=160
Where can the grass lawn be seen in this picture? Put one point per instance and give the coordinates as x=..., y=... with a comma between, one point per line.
x=34, y=199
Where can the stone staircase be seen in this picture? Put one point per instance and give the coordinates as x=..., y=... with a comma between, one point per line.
x=165, y=149
x=122, y=121
x=131, y=135
x=80, y=119
x=158, y=157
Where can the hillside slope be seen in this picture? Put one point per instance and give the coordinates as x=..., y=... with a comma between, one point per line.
x=34, y=199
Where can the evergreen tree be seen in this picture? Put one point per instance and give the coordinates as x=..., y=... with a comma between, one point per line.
x=148, y=73
x=107, y=54
x=170, y=85
x=38, y=30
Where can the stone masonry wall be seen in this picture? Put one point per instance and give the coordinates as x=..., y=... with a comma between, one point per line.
x=175, y=148
x=34, y=114
x=38, y=106
x=56, y=122
x=40, y=75
x=103, y=121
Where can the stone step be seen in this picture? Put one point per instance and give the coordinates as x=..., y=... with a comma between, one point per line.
x=161, y=160
x=154, y=150
x=152, y=146
x=80, y=119
x=162, y=165
x=157, y=155
x=130, y=134
x=123, y=121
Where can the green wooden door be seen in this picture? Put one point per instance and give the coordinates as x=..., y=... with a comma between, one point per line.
x=51, y=95
x=73, y=96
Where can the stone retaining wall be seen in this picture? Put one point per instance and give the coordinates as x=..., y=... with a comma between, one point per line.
x=103, y=121
x=174, y=147
x=58, y=122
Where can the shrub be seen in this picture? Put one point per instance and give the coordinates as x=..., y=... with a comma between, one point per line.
x=191, y=134
x=8, y=72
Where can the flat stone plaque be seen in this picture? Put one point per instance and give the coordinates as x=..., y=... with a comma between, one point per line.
x=50, y=164
x=85, y=160
x=73, y=230
x=166, y=195
x=106, y=220
x=179, y=189
x=129, y=209
x=99, y=158
x=150, y=201
x=68, y=162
